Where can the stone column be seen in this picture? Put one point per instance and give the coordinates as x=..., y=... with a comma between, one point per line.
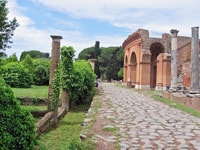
x=55, y=56
x=92, y=63
x=195, y=61
x=174, y=60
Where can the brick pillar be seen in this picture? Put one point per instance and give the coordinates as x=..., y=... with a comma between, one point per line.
x=163, y=71
x=195, y=61
x=174, y=60
x=92, y=63
x=55, y=56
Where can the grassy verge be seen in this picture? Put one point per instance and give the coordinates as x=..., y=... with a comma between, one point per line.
x=34, y=108
x=174, y=104
x=68, y=131
x=34, y=91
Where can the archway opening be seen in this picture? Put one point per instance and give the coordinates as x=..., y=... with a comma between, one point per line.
x=133, y=65
x=156, y=49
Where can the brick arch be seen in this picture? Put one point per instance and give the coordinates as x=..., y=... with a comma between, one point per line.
x=133, y=67
x=155, y=49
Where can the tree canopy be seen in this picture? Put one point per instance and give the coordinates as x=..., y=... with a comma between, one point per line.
x=109, y=60
x=34, y=54
x=7, y=26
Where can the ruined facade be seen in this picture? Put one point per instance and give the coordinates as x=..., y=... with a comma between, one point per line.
x=147, y=61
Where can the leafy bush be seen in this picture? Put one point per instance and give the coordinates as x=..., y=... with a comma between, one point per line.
x=77, y=78
x=120, y=73
x=28, y=63
x=16, y=124
x=40, y=75
x=16, y=75
x=41, y=66
x=12, y=58
x=82, y=81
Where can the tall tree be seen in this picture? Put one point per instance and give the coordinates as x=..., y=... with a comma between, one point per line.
x=7, y=26
x=87, y=53
x=110, y=62
x=34, y=54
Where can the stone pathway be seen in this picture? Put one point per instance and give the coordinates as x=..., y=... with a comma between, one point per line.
x=147, y=124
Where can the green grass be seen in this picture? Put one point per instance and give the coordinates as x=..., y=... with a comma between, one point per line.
x=67, y=132
x=175, y=104
x=34, y=91
x=111, y=129
x=34, y=108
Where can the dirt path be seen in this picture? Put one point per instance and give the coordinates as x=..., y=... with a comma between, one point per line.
x=99, y=123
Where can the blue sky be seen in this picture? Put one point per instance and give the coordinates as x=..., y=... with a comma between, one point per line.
x=82, y=22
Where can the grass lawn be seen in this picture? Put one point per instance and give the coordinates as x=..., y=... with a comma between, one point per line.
x=34, y=108
x=34, y=91
x=68, y=131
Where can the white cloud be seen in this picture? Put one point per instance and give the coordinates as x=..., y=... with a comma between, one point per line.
x=155, y=15
x=132, y=13
x=27, y=37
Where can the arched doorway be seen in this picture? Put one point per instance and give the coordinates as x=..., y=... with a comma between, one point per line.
x=133, y=66
x=156, y=49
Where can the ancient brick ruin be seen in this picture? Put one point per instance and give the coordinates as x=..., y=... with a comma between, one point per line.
x=149, y=62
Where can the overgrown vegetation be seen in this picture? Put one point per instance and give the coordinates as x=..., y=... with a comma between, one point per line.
x=26, y=72
x=77, y=78
x=16, y=124
x=16, y=75
x=56, y=90
x=83, y=82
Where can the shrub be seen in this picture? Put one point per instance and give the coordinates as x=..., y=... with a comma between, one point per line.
x=28, y=63
x=77, y=78
x=40, y=75
x=16, y=75
x=16, y=124
x=41, y=65
x=120, y=73
x=82, y=81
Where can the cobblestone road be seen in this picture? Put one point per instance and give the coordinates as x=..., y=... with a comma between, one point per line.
x=147, y=124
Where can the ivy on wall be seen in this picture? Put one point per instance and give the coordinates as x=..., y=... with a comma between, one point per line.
x=56, y=90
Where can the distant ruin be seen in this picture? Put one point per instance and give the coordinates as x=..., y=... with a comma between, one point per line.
x=161, y=63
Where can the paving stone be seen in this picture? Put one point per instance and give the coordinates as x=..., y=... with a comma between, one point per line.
x=134, y=141
x=108, y=127
x=147, y=124
x=124, y=145
x=183, y=146
x=147, y=146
